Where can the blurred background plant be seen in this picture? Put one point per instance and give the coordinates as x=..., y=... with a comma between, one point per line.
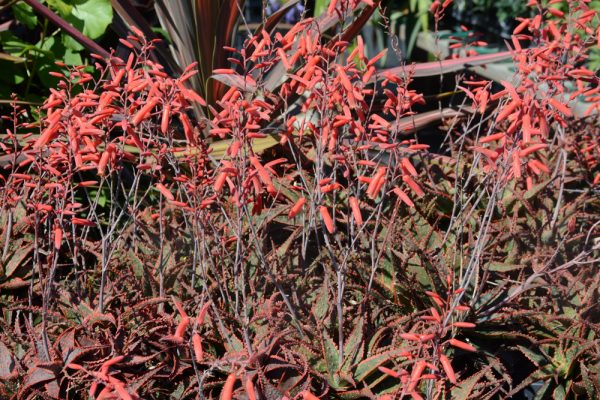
x=30, y=45
x=292, y=16
x=492, y=17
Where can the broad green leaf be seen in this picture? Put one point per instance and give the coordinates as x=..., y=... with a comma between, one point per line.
x=48, y=44
x=63, y=8
x=162, y=32
x=320, y=7
x=96, y=15
x=25, y=15
x=56, y=50
x=70, y=43
x=13, y=45
x=11, y=76
x=72, y=57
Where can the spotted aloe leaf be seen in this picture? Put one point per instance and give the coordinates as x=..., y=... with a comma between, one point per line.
x=7, y=362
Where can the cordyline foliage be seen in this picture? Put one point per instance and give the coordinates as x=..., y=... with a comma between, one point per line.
x=301, y=242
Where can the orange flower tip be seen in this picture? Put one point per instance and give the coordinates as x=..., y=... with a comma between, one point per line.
x=250, y=389
x=306, y=395
x=327, y=220
x=297, y=207
x=464, y=325
x=462, y=345
x=447, y=366
x=389, y=372
x=227, y=393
